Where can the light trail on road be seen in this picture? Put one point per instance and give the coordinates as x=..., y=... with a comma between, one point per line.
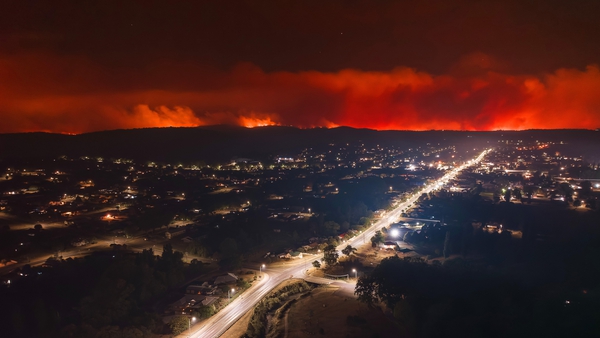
x=216, y=325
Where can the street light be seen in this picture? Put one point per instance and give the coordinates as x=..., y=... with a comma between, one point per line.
x=355, y=274
x=260, y=269
x=193, y=319
x=230, y=293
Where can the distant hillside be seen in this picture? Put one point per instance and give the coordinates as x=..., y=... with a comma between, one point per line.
x=221, y=143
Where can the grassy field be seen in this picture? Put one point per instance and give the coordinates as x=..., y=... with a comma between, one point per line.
x=326, y=313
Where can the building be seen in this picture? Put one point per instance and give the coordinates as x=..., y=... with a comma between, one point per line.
x=226, y=279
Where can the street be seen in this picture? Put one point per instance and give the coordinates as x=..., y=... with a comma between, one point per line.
x=220, y=322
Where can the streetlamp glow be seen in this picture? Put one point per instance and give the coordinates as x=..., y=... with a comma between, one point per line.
x=260, y=269
x=193, y=319
x=395, y=232
x=230, y=293
x=355, y=273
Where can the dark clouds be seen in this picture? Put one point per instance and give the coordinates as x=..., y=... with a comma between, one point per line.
x=531, y=36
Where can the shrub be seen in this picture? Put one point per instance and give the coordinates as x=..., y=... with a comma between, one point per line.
x=258, y=321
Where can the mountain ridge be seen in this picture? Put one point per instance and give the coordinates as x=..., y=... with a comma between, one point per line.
x=220, y=142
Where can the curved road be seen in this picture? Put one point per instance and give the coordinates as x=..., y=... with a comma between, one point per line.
x=220, y=322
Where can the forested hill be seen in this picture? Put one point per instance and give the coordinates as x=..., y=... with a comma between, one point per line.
x=221, y=143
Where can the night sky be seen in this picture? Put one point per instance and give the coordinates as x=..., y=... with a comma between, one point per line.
x=79, y=66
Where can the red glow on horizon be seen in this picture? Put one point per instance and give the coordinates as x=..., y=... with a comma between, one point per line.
x=253, y=122
x=400, y=99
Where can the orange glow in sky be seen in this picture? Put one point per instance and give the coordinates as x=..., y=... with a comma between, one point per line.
x=43, y=99
x=252, y=122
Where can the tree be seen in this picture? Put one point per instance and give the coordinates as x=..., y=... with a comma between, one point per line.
x=316, y=264
x=496, y=197
x=507, y=195
x=517, y=194
x=230, y=255
x=296, y=237
x=404, y=314
x=529, y=190
x=195, y=247
x=566, y=190
x=377, y=238
x=242, y=283
x=349, y=250
x=331, y=228
x=179, y=324
x=111, y=301
x=590, y=203
x=586, y=188
x=447, y=245
x=345, y=226
x=154, y=219
x=366, y=290
x=206, y=311
x=388, y=283
x=37, y=227
x=330, y=255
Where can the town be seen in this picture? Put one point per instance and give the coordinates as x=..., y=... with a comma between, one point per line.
x=207, y=235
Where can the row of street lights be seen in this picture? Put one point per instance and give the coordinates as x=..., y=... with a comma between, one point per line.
x=396, y=232
x=232, y=291
x=229, y=295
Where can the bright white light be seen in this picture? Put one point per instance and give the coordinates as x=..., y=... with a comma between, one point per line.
x=395, y=233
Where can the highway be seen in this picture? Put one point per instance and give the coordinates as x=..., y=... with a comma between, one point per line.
x=220, y=322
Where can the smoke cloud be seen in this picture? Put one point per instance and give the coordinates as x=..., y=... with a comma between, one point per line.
x=72, y=95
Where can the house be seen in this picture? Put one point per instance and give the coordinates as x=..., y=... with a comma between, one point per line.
x=209, y=300
x=200, y=288
x=195, y=290
x=226, y=279
x=188, y=303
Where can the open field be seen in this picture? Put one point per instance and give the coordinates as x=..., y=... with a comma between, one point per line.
x=326, y=313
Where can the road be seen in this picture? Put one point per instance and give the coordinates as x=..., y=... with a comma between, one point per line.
x=220, y=322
